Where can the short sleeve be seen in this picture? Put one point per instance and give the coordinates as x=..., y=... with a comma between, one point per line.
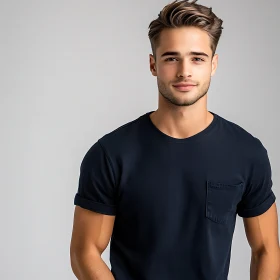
x=96, y=190
x=258, y=196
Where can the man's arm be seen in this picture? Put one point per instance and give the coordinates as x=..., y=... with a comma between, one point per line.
x=262, y=235
x=90, y=237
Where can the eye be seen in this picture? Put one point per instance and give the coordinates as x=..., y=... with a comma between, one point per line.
x=200, y=59
x=170, y=59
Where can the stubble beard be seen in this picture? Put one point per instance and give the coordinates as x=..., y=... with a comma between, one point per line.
x=187, y=98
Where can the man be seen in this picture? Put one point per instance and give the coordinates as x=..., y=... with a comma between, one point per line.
x=167, y=186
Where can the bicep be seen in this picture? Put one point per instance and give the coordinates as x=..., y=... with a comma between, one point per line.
x=262, y=230
x=91, y=231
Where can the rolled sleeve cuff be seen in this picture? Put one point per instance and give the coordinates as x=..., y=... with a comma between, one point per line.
x=94, y=206
x=247, y=213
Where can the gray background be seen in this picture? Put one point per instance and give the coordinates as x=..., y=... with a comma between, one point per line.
x=72, y=71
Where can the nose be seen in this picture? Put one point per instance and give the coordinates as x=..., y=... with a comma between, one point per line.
x=184, y=69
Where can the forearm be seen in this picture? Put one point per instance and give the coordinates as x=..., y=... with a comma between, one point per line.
x=265, y=266
x=91, y=267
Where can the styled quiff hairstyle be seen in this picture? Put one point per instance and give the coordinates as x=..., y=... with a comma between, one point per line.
x=185, y=13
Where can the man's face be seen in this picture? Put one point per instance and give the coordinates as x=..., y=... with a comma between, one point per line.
x=177, y=62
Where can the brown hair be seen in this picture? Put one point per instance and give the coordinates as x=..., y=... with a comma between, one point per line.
x=185, y=13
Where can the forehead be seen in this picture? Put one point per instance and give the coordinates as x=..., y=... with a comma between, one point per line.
x=184, y=39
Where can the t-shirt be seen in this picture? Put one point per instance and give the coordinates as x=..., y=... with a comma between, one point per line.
x=175, y=200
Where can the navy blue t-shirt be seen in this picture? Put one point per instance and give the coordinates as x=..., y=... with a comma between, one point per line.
x=175, y=200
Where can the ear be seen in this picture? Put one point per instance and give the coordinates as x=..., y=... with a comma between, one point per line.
x=214, y=64
x=153, y=65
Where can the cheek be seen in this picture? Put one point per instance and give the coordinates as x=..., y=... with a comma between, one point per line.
x=202, y=74
x=164, y=72
x=167, y=71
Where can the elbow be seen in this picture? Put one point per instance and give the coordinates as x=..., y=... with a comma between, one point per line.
x=79, y=256
x=72, y=256
x=74, y=264
x=270, y=256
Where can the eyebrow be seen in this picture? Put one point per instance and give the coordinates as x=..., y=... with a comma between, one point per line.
x=190, y=53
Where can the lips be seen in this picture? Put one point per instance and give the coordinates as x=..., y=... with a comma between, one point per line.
x=184, y=87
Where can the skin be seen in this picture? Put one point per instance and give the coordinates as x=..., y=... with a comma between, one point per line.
x=183, y=114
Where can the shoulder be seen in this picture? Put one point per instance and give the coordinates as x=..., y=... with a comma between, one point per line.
x=122, y=134
x=241, y=141
x=115, y=144
x=124, y=139
x=242, y=137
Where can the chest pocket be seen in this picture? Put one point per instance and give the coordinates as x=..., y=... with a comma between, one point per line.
x=222, y=200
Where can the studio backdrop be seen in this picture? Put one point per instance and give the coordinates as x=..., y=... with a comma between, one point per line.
x=72, y=71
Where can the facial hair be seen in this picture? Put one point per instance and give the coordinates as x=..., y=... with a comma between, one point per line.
x=187, y=98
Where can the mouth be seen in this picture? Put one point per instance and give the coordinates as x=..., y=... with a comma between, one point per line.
x=184, y=88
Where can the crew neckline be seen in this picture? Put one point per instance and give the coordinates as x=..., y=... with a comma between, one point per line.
x=195, y=137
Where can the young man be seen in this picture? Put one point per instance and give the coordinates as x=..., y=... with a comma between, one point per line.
x=167, y=186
